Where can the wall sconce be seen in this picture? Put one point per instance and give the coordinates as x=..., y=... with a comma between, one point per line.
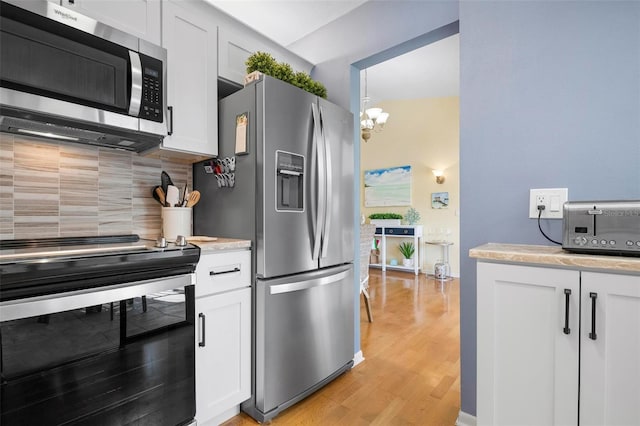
x=439, y=176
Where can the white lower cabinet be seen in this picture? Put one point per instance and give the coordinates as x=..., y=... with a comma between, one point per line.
x=527, y=365
x=536, y=361
x=223, y=335
x=610, y=350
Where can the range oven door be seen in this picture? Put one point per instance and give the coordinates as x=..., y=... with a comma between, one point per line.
x=120, y=355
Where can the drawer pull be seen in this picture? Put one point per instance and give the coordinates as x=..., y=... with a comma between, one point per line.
x=231, y=271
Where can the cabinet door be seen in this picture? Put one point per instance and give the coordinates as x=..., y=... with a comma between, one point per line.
x=527, y=365
x=138, y=17
x=233, y=51
x=610, y=350
x=190, y=37
x=223, y=352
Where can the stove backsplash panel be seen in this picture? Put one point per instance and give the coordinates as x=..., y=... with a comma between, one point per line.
x=60, y=190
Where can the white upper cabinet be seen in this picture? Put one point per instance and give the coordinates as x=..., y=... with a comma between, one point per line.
x=610, y=350
x=189, y=33
x=140, y=18
x=236, y=43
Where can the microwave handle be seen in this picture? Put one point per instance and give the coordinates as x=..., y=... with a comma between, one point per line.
x=136, y=83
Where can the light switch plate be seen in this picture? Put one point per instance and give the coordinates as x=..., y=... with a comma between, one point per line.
x=551, y=198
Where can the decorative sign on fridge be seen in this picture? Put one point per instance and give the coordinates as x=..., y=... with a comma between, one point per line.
x=387, y=187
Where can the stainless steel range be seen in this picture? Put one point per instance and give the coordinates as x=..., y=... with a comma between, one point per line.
x=97, y=330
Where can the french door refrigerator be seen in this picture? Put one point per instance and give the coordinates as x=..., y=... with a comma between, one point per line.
x=292, y=196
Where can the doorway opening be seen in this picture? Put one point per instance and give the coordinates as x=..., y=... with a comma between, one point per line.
x=422, y=132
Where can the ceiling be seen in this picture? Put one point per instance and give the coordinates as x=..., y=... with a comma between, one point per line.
x=434, y=70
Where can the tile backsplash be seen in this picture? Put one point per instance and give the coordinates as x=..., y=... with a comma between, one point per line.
x=58, y=190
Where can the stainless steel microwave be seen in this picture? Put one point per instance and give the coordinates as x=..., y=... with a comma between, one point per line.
x=66, y=76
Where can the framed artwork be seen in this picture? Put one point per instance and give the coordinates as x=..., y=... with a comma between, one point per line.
x=387, y=187
x=439, y=200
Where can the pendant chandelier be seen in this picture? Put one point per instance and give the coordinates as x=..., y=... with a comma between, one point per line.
x=371, y=119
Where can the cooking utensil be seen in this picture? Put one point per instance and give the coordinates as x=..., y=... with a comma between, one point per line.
x=182, y=199
x=185, y=197
x=193, y=199
x=173, y=196
x=165, y=181
x=155, y=194
x=159, y=195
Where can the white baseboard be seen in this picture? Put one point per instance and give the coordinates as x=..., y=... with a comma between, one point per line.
x=357, y=358
x=465, y=419
x=220, y=418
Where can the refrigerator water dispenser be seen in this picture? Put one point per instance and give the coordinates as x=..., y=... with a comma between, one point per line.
x=290, y=181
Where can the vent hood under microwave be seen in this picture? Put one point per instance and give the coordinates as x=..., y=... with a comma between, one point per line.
x=67, y=77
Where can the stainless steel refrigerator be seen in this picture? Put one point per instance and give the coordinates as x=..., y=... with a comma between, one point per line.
x=292, y=196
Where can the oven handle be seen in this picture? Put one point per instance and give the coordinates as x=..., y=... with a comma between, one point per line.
x=60, y=302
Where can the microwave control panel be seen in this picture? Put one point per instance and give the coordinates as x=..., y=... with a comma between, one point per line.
x=151, y=105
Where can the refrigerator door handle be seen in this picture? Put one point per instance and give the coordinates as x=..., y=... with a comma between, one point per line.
x=305, y=285
x=321, y=173
x=328, y=192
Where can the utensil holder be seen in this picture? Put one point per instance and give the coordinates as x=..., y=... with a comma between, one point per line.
x=176, y=221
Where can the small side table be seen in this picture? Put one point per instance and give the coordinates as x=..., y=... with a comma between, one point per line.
x=445, y=257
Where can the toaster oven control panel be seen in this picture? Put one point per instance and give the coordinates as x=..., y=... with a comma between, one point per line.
x=602, y=227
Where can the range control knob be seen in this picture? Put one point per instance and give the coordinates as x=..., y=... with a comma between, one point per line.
x=161, y=242
x=580, y=241
x=181, y=241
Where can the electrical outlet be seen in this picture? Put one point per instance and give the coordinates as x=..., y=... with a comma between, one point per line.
x=551, y=198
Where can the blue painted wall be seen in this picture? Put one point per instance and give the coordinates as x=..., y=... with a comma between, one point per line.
x=550, y=97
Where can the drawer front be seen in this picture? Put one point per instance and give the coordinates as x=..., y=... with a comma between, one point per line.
x=223, y=271
x=399, y=231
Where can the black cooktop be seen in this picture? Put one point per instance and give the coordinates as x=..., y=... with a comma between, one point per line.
x=36, y=267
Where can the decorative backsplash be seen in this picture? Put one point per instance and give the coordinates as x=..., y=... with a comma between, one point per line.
x=60, y=190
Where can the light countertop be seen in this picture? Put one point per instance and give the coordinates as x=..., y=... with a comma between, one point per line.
x=221, y=244
x=554, y=256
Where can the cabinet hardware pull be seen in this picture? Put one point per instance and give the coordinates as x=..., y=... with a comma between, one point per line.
x=202, y=343
x=593, y=297
x=566, y=329
x=231, y=271
x=170, y=127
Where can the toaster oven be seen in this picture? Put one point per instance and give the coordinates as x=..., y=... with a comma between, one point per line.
x=602, y=227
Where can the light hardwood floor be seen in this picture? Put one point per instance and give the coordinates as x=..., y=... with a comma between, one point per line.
x=411, y=371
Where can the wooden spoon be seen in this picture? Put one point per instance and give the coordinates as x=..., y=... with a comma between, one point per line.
x=161, y=196
x=193, y=199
